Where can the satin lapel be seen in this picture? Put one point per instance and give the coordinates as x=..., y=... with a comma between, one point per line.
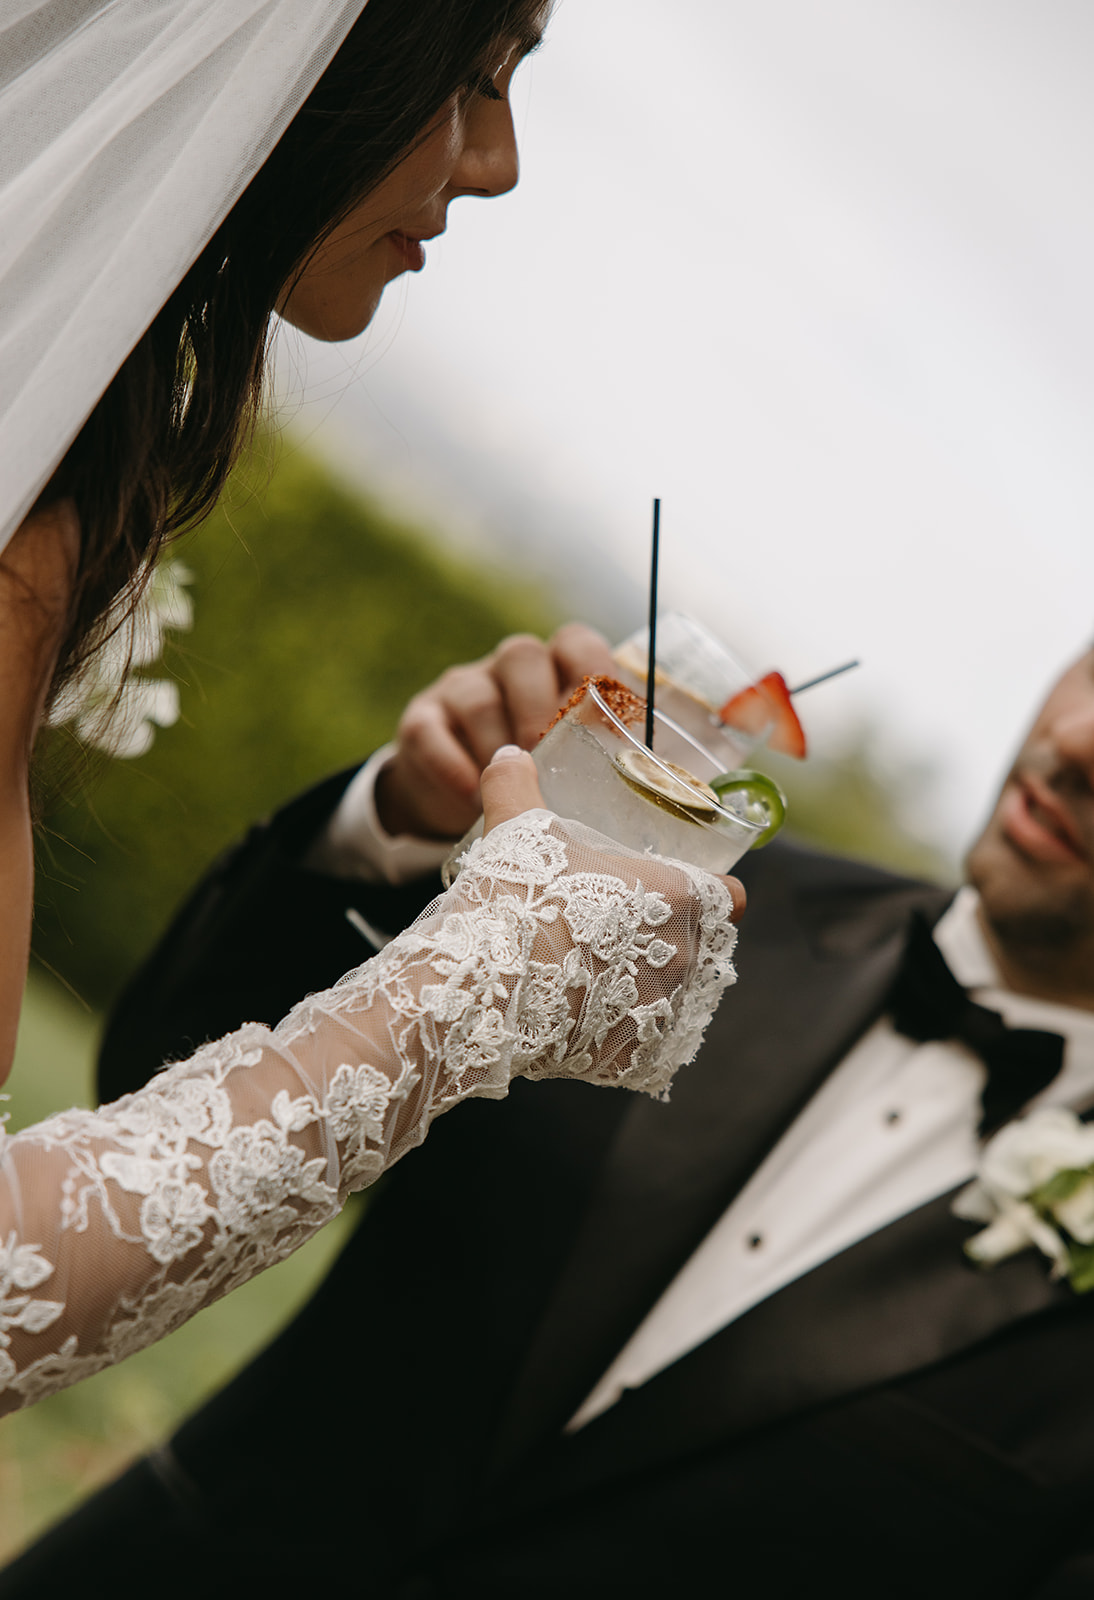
x=900, y=1300
x=673, y=1169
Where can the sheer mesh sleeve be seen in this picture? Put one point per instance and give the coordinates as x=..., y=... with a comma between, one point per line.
x=556, y=953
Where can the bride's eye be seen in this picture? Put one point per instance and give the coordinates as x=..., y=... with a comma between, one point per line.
x=483, y=83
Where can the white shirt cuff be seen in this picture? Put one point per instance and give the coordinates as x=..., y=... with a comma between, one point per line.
x=355, y=843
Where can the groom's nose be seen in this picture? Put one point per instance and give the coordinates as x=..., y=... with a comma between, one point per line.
x=1073, y=726
x=1074, y=739
x=1064, y=727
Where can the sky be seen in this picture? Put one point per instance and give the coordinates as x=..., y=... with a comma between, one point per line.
x=818, y=274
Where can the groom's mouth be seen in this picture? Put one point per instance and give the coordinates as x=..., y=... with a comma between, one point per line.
x=1039, y=825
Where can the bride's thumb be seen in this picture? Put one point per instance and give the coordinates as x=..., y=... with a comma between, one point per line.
x=510, y=785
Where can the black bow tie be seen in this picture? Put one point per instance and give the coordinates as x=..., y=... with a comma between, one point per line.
x=927, y=1002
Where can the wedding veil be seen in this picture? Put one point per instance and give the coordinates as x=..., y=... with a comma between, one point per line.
x=128, y=129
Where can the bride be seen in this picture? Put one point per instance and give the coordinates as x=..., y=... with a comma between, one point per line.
x=171, y=176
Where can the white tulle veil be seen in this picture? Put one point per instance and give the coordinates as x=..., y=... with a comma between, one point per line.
x=128, y=129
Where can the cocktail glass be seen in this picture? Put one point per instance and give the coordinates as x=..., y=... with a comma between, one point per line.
x=696, y=679
x=595, y=768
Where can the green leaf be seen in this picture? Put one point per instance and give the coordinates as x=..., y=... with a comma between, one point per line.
x=1080, y=1267
x=1061, y=1186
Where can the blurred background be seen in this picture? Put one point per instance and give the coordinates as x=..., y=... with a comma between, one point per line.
x=818, y=276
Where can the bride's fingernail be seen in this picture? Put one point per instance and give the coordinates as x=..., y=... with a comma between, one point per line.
x=506, y=752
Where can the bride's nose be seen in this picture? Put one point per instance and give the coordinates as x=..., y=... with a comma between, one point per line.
x=489, y=164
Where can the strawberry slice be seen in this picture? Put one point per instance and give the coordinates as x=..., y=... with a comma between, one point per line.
x=765, y=709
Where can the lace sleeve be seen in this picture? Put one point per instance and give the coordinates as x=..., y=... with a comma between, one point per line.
x=556, y=953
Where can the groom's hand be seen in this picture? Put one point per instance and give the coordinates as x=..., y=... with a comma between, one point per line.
x=449, y=732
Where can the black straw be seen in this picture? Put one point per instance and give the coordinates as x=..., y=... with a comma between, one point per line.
x=651, y=665
x=824, y=677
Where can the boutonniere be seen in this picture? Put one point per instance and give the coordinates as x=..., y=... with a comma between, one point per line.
x=1035, y=1186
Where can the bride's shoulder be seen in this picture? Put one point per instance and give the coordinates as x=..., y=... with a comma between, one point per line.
x=42, y=555
x=38, y=568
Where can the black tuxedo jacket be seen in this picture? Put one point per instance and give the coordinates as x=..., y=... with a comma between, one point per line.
x=895, y=1423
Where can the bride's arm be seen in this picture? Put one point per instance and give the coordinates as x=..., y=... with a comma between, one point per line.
x=223, y=959
x=37, y=568
x=555, y=954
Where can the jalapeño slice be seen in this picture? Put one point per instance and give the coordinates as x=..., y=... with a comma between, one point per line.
x=756, y=796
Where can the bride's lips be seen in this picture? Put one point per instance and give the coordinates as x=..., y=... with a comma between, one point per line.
x=1039, y=826
x=410, y=250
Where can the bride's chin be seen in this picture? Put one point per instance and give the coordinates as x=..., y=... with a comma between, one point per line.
x=331, y=324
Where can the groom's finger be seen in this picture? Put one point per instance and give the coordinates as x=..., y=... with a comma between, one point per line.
x=510, y=785
x=740, y=899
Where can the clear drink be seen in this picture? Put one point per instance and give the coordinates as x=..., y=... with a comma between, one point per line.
x=594, y=767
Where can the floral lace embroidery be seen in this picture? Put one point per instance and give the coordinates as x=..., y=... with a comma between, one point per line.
x=556, y=953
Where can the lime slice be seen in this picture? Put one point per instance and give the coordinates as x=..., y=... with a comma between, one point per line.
x=680, y=788
x=755, y=796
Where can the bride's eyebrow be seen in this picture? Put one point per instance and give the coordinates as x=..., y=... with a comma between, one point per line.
x=527, y=40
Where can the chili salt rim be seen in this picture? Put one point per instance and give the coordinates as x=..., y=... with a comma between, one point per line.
x=621, y=701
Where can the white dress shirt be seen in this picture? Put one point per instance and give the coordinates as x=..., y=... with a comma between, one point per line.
x=893, y=1127
x=356, y=844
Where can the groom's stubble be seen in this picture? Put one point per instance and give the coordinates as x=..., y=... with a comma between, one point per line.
x=1033, y=864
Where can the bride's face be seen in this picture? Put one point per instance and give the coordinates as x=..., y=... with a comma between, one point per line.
x=469, y=149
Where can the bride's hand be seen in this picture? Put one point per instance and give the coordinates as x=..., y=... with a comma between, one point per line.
x=510, y=785
x=569, y=955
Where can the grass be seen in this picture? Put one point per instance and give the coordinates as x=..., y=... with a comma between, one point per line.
x=53, y=1455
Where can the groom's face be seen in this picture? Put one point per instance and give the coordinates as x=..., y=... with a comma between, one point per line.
x=1034, y=862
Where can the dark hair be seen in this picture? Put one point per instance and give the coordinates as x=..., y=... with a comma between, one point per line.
x=153, y=456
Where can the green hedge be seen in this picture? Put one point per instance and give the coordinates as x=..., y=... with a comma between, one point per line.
x=316, y=617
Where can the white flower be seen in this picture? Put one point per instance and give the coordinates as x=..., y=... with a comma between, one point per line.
x=528, y=854
x=446, y=1002
x=495, y=936
x=165, y=604
x=257, y=1171
x=658, y=953
x=293, y=1115
x=128, y=733
x=1015, y=1228
x=172, y=1219
x=597, y=915
x=107, y=706
x=358, y=1100
x=543, y=1019
x=1026, y=1154
x=1035, y=1187
x=650, y=1018
x=21, y=1267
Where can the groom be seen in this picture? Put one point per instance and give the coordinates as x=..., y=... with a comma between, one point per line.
x=588, y=1345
